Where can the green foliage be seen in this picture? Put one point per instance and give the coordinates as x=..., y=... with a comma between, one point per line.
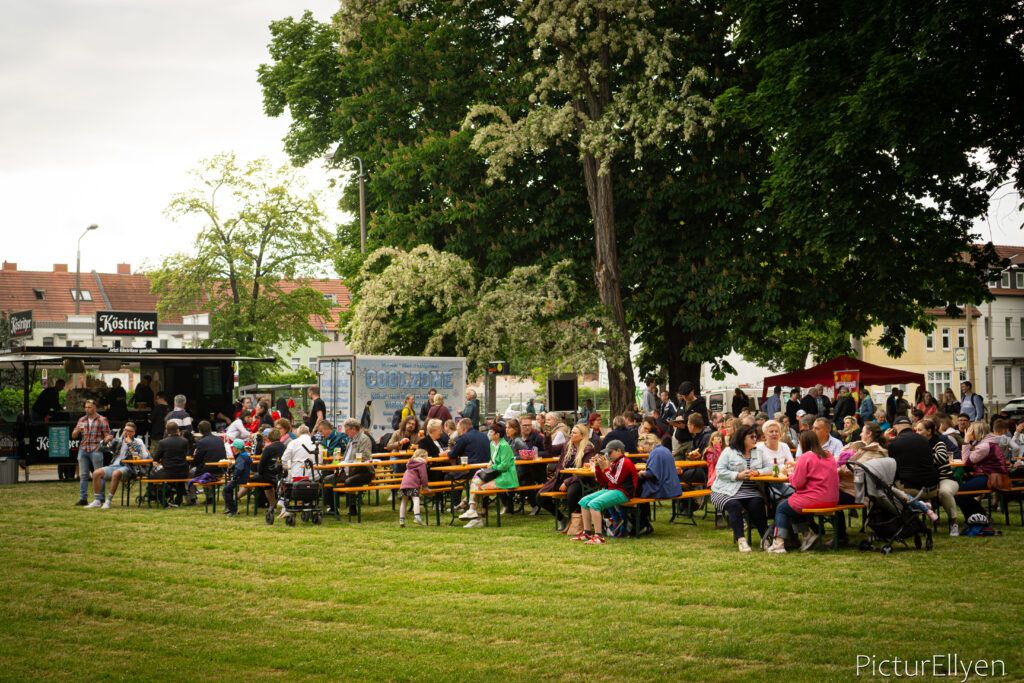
x=301, y=376
x=258, y=230
x=12, y=398
x=889, y=126
x=789, y=350
x=429, y=302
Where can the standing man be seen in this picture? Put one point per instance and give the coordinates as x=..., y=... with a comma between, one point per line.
x=774, y=403
x=158, y=417
x=47, y=402
x=866, y=411
x=117, y=400
x=143, y=397
x=649, y=403
x=809, y=403
x=93, y=431
x=971, y=404
x=793, y=406
x=425, y=408
x=472, y=410
x=891, y=404
x=691, y=403
x=667, y=410
x=318, y=411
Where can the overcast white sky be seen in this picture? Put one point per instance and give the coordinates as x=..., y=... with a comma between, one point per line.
x=105, y=105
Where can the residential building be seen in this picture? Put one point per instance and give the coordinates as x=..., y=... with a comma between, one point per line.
x=1002, y=330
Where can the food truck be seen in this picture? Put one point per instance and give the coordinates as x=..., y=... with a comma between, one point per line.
x=204, y=376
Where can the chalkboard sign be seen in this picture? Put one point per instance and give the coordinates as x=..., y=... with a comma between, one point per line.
x=60, y=442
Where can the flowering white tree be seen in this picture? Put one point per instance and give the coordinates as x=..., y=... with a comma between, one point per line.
x=608, y=79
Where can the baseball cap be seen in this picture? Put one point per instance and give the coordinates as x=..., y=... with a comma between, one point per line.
x=614, y=445
x=801, y=413
x=238, y=444
x=901, y=420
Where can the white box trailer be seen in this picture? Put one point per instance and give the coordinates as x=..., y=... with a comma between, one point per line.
x=348, y=384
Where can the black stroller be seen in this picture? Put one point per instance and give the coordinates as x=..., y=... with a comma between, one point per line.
x=890, y=518
x=302, y=496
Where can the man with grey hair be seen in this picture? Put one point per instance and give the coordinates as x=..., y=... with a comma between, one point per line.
x=180, y=417
x=360, y=446
x=472, y=410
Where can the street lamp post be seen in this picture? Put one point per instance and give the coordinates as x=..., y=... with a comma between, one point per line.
x=78, y=269
x=362, y=206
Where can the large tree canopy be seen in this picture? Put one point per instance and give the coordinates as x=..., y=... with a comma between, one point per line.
x=258, y=230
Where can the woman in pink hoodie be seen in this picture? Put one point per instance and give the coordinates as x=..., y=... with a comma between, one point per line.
x=816, y=481
x=413, y=480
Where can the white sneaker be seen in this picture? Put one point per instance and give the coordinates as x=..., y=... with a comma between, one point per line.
x=809, y=540
x=776, y=549
x=743, y=545
x=474, y=523
x=954, y=529
x=504, y=510
x=106, y=504
x=418, y=519
x=469, y=514
x=95, y=505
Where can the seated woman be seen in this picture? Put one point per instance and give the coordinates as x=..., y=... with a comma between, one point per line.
x=816, y=484
x=948, y=486
x=432, y=443
x=850, y=430
x=870, y=446
x=659, y=480
x=403, y=439
x=500, y=473
x=616, y=475
x=981, y=456
x=733, y=492
x=647, y=436
x=577, y=454
x=269, y=467
x=776, y=454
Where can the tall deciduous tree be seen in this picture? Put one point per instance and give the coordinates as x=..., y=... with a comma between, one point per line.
x=606, y=80
x=259, y=228
x=889, y=122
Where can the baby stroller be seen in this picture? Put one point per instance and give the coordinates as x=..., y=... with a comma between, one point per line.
x=302, y=496
x=890, y=518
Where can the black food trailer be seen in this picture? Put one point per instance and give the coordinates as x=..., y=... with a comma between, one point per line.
x=205, y=377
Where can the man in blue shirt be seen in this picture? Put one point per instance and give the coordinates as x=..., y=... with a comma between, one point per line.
x=471, y=444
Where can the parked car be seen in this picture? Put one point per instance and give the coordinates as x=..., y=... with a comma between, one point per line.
x=514, y=410
x=1014, y=409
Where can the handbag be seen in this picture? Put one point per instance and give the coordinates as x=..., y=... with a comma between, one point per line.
x=997, y=481
x=575, y=524
x=487, y=474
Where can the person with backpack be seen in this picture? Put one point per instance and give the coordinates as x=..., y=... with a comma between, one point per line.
x=971, y=404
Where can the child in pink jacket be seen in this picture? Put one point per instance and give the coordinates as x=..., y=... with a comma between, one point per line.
x=413, y=480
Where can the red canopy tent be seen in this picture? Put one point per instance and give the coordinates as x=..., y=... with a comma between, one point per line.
x=822, y=374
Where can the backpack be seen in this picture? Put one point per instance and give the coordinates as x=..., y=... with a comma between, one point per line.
x=396, y=419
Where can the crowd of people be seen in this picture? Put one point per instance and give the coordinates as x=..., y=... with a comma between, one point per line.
x=805, y=444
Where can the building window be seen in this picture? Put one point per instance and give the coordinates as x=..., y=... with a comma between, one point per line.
x=1009, y=328
x=163, y=343
x=988, y=328
x=312, y=364
x=84, y=295
x=994, y=282
x=333, y=298
x=945, y=339
x=938, y=381
x=1008, y=380
x=1005, y=280
x=296, y=362
x=1020, y=279
x=1022, y=380
x=961, y=337
x=1022, y=327
x=48, y=341
x=929, y=341
x=40, y=294
x=963, y=375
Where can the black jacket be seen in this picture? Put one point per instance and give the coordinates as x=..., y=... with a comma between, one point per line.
x=699, y=406
x=171, y=453
x=208, y=449
x=269, y=465
x=791, y=408
x=809, y=405
x=626, y=436
x=915, y=467
x=844, y=406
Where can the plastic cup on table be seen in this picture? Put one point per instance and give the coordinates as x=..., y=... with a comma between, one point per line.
x=464, y=460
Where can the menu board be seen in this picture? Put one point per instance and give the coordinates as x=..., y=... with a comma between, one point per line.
x=59, y=441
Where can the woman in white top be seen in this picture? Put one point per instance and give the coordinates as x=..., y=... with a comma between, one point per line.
x=237, y=430
x=777, y=452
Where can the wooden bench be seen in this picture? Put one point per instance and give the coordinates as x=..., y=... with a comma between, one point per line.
x=557, y=496
x=495, y=492
x=253, y=486
x=1004, y=501
x=832, y=515
x=635, y=503
x=358, y=491
x=161, y=489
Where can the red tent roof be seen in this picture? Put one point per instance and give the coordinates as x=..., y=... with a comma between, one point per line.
x=822, y=374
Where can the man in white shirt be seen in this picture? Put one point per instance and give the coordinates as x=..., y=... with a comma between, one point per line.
x=830, y=444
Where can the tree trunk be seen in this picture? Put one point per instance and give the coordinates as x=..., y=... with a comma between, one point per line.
x=621, y=386
x=676, y=339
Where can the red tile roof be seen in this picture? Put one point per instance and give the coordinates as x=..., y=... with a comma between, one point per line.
x=125, y=293
x=1016, y=257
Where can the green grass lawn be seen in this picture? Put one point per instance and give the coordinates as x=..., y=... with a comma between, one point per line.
x=147, y=594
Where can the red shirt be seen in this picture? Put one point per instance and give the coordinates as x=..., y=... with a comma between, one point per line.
x=620, y=476
x=92, y=433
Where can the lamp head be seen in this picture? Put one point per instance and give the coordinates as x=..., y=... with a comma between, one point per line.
x=92, y=227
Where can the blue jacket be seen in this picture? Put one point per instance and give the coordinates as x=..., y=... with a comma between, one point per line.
x=866, y=409
x=660, y=479
x=243, y=466
x=474, y=445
